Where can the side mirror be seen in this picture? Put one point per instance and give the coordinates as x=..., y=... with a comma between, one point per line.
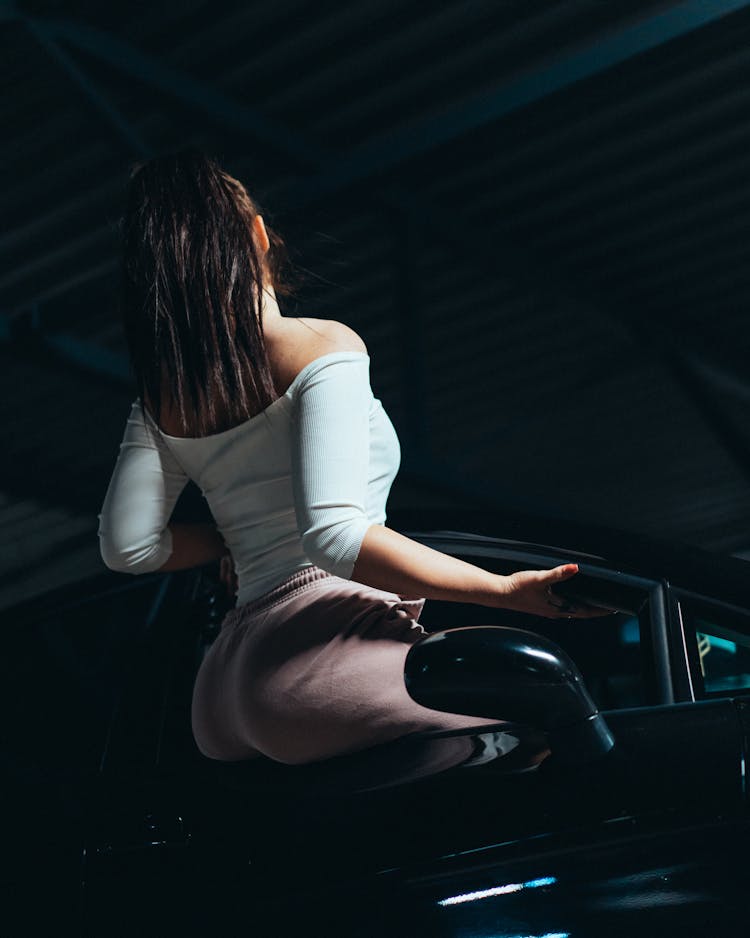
x=509, y=674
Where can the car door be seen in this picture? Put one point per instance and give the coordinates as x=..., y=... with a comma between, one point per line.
x=648, y=840
x=548, y=848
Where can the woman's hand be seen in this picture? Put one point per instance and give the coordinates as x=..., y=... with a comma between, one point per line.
x=391, y=561
x=531, y=591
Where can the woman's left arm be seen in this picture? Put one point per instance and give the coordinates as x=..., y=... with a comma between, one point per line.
x=194, y=545
x=135, y=533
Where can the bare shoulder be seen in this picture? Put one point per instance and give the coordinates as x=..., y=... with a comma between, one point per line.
x=335, y=337
x=301, y=340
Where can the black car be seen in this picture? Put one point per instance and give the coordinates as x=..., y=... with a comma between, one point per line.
x=609, y=800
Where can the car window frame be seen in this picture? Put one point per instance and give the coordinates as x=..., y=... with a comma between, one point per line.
x=655, y=643
x=687, y=602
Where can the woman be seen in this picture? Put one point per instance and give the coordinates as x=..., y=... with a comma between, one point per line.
x=274, y=418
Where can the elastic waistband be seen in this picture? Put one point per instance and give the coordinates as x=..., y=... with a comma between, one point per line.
x=295, y=582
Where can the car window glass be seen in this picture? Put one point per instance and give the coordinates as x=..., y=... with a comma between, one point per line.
x=612, y=652
x=720, y=648
x=609, y=654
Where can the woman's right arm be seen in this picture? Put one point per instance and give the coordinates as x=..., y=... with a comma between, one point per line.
x=389, y=560
x=330, y=473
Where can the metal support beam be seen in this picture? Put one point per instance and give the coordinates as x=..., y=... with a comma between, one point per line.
x=346, y=168
x=679, y=361
x=239, y=118
x=124, y=130
x=524, y=267
x=689, y=355
x=487, y=107
x=393, y=149
x=90, y=357
x=27, y=330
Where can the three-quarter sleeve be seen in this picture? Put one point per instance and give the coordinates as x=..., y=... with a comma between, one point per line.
x=330, y=459
x=143, y=490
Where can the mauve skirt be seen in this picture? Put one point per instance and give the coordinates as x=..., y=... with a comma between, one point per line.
x=312, y=669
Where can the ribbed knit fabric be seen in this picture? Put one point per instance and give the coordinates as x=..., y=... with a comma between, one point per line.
x=296, y=485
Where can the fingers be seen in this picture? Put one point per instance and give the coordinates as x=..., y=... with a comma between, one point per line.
x=564, y=609
x=564, y=572
x=533, y=592
x=568, y=610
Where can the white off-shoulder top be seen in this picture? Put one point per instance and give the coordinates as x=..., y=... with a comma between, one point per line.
x=295, y=485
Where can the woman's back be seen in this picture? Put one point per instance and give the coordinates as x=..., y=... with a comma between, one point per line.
x=296, y=467
x=294, y=485
x=291, y=344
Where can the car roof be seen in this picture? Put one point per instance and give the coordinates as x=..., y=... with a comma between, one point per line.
x=683, y=565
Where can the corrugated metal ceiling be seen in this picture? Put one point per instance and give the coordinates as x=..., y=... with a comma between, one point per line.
x=540, y=238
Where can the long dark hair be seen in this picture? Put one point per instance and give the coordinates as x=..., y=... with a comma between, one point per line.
x=192, y=276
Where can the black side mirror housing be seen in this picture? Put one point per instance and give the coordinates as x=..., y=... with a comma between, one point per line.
x=509, y=674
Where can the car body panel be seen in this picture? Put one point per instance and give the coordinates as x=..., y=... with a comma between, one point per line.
x=648, y=838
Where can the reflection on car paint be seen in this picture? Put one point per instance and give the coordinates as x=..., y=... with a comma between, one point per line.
x=495, y=745
x=498, y=890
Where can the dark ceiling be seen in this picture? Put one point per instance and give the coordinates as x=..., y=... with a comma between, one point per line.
x=533, y=213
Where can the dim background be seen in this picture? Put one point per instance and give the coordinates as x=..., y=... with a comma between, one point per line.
x=536, y=216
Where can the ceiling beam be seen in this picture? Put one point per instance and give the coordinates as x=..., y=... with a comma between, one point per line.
x=389, y=150
x=25, y=330
x=123, y=128
x=539, y=82
x=238, y=117
x=335, y=174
